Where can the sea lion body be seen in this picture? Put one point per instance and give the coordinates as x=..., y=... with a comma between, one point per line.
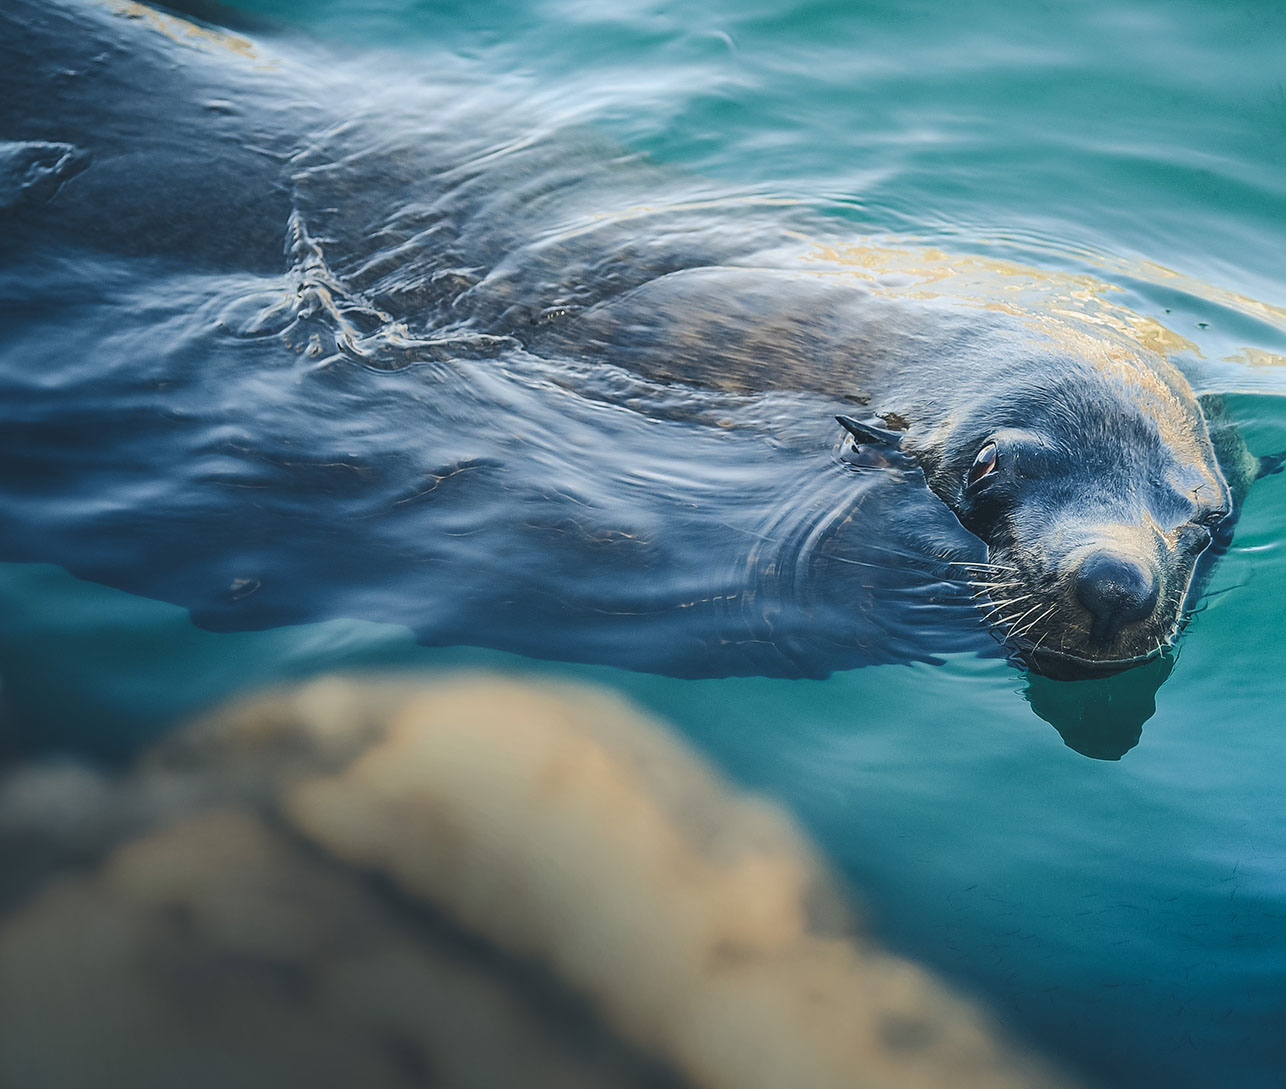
x=1105, y=455
x=527, y=332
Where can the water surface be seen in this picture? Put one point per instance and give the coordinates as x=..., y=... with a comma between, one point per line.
x=1126, y=912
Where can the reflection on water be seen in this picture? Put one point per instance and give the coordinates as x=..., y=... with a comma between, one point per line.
x=471, y=883
x=1102, y=718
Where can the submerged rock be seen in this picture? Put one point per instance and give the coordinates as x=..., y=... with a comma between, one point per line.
x=473, y=882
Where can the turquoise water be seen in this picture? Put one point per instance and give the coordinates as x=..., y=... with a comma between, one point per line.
x=1128, y=913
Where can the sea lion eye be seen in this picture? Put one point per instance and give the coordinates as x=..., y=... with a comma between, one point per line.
x=984, y=463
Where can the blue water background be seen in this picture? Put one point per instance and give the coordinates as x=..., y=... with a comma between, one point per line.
x=1128, y=915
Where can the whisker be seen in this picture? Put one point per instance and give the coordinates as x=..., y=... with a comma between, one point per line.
x=1039, y=641
x=980, y=563
x=985, y=590
x=1028, y=613
x=1011, y=601
x=1029, y=627
x=999, y=609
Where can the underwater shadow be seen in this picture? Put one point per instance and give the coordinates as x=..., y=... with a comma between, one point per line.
x=1102, y=718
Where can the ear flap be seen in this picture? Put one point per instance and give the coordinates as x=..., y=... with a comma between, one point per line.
x=1270, y=464
x=868, y=435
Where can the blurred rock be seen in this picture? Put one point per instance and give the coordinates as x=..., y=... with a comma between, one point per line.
x=476, y=882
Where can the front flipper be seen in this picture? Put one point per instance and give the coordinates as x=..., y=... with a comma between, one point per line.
x=873, y=447
x=868, y=435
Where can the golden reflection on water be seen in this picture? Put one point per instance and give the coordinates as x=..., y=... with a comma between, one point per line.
x=1038, y=295
x=1258, y=358
x=1047, y=299
x=1152, y=272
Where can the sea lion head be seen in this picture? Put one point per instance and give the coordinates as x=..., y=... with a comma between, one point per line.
x=1096, y=490
x=1095, y=487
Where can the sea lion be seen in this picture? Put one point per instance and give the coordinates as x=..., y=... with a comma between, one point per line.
x=1084, y=463
x=527, y=331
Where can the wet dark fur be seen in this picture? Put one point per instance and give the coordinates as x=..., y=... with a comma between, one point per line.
x=1101, y=443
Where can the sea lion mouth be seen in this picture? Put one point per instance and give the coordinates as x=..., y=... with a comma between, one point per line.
x=1079, y=618
x=1061, y=666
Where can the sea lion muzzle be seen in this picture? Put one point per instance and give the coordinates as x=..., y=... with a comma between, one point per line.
x=1116, y=590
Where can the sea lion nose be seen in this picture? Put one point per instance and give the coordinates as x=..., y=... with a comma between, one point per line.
x=1116, y=590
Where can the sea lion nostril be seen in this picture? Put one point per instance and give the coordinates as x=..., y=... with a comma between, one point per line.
x=1116, y=590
